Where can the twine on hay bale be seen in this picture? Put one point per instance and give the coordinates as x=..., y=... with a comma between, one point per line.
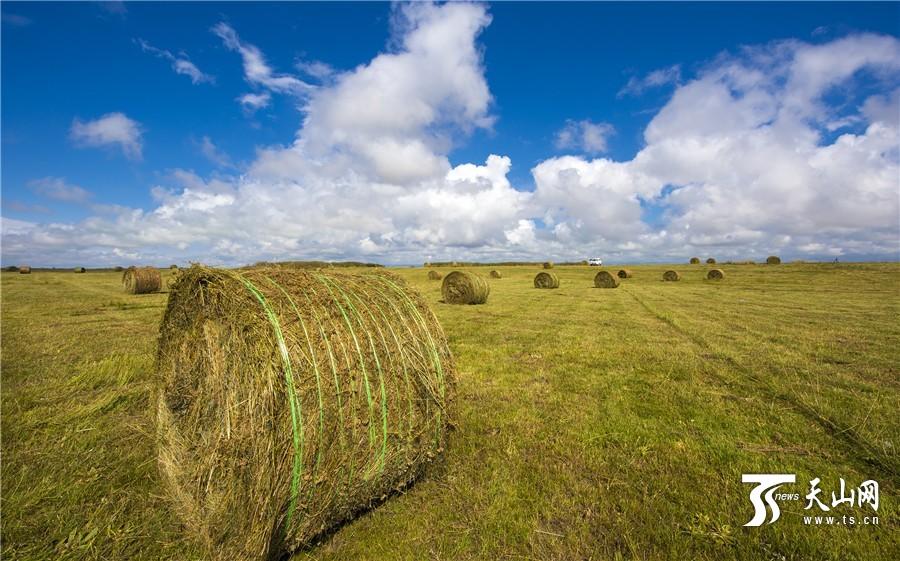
x=79, y=270
x=671, y=276
x=24, y=270
x=496, y=275
x=141, y=280
x=605, y=279
x=546, y=280
x=460, y=287
x=548, y=264
x=715, y=274
x=773, y=260
x=434, y=275
x=695, y=260
x=291, y=400
x=625, y=274
x=711, y=261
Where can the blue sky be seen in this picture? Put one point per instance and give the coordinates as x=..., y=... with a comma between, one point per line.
x=548, y=69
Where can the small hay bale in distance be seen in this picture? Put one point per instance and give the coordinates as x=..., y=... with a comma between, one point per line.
x=546, y=280
x=79, y=270
x=695, y=260
x=671, y=276
x=625, y=274
x=773, y=260
x=24, y=270
x=434, y=275
x=496, y=274
x=715, y=274
x=263, y=378
x=711, y=261
x=141, y=280
x=460, y=287
x=548, y=264
x=605, y=279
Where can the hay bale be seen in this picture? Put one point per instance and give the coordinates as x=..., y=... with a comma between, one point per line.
x=773, y=260
x=461, y=287
x=625, y=274
x=141, y=280
x=80, y=270
x=24, y=270
x=715, y=274
x=434, y=275
x=605, y=279
x=290, y=400
x=548, y=264
x=546, y=280
x=496, y=274
x=695, y=260
x=710, y=261
x=671, y=276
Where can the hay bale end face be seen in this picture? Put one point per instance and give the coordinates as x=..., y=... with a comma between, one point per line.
x=546, y=280
x=496, y=275
x=460, y=287
x=710, y=261
x=24, y=270
x=605, y=279
x=141, y=280
x=695, y=260
x=671, y=276
x=773, y=260
x=309, y=395
x=715, y=274
x=434, y=275
x=548, y=264
x=625, y=274
x=80, y=270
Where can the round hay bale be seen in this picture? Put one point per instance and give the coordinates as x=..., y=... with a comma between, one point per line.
x=461, y=287
x=625, y=274
x=548, y=264
x=24, y=270
x=773, y=260
x=80, y=270
x=710, y=261
x=546, y=280
x=671, y=276
x=290, y=400
x=141, y=280
x=715, y=274
x=695, y=260
x=434, y=275
x=496, y=275
x=605, y=279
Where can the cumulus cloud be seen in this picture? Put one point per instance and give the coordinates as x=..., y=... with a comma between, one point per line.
x=58, y=189
x=584, y=136
x=181, y=64
x=112, y=129
x=739, y=163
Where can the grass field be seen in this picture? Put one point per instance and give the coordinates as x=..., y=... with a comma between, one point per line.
x=592, y=424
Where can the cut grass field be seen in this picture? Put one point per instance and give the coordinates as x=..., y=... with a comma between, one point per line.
x=592, y=423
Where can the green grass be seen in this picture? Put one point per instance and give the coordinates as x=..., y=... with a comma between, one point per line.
x=592, y=424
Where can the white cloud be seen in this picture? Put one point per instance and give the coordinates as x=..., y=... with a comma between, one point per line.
x=56, y=188
x=316, y=69
x=251, y=101
x=212, y=153
x=661, y=77
x=584, y=136
x=181, y=64
x=110, y=129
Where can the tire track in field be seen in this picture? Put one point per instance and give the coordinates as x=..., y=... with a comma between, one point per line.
x=848, y=437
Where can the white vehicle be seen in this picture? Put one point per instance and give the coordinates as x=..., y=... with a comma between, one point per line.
x=595, y=262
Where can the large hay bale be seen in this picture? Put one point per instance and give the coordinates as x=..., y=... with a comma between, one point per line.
x=548, y=264
x=711, y=261
x=434, y=275
x=461, y=287
x=496, y=274
x=773, y=260
x=24, y=270
x=671, y=276
x=79, y=270
x=546, y=280
x=625, y=274
x=695, y=260
x=141, y=280
x=715, y=274
x=605, y=279
x=291, y=400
